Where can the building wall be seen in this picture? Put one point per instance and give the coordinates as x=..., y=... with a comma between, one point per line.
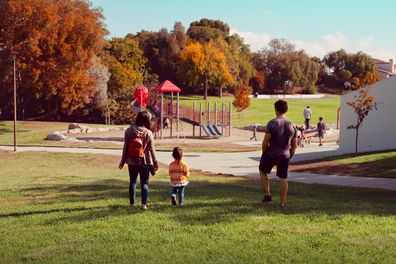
x=378, y=130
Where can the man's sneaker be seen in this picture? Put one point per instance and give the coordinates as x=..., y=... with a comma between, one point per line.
x=267, y=199
x=173, y=198
x=144, y=207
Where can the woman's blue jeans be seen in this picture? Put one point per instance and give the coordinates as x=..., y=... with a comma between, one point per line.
x=179, y=191
x=143, y=171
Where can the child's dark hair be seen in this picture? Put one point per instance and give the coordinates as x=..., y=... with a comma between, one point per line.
x=320, y=118
x=281, y=106
x=177, y=153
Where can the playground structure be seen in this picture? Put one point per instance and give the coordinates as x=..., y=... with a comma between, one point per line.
x=167, y=112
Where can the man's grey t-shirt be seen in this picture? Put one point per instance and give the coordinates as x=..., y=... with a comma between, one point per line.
x=282, y=131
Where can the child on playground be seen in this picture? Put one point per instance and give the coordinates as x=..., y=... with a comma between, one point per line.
x=321, y=130
x=178, y=172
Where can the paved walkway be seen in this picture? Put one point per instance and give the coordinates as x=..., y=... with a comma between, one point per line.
x=246, y=164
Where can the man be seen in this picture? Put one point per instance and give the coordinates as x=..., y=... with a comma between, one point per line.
x=255, y=126
x=307, y=115
x=279, y=146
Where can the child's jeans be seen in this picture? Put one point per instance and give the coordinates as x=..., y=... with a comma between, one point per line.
x=180, y=191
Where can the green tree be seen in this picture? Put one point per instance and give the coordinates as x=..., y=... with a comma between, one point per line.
x=127, y=66
x=206, y=30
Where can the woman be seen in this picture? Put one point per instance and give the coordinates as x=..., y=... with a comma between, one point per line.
x=139, y=161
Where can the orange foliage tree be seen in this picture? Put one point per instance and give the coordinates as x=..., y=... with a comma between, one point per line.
x=205, y=64
x=55, y=43
x=362, y=105
x=241, y=100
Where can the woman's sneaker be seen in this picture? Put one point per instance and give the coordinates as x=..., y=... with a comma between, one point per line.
x=144, y=207
x=173, y=198
x=267, y=199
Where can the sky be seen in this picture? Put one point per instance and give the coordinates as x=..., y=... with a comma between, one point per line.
x=317, y=26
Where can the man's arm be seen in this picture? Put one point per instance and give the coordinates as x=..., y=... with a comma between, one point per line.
x=266, y=141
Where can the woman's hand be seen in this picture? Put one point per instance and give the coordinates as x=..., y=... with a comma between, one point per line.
x=156, y=167
x=121, y=165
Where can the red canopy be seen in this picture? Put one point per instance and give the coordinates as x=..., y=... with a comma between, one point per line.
x=167, y=87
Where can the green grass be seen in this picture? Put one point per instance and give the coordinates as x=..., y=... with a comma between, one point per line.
x=262, y=110
x=64, y=208
x=378, y=164
x=30, y=133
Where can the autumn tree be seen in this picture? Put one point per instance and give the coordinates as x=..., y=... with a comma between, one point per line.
x=54, y=42
x=204, y=65
x=241, y=100
x=362, y=105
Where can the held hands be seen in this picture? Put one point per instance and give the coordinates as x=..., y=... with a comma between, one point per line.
x=156, y=165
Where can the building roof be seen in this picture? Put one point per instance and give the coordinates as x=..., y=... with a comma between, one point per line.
x=378, y=61
x=167, y=87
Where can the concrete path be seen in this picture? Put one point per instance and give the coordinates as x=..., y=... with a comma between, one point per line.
x=246, y=164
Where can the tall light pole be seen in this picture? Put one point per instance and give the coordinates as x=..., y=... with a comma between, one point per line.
x=15, y=101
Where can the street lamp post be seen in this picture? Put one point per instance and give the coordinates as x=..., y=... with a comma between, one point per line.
x=15, y=102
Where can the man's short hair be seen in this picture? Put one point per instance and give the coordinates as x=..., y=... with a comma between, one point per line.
x=281, y=106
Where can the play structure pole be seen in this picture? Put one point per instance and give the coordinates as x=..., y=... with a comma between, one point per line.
x=215, y=121
x=193, y=116
x=177, y=116
x=200, y=119
x=229, y=122
x=162, y=114
x=171, y=115
x=208, y=113
x=222, y=118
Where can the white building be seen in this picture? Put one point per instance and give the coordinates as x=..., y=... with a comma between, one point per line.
x=378, y=130
x=385, y=69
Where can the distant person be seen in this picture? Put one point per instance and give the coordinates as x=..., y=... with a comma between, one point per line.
x=300, y=136
x=307, y=116
x=321, y=127
x=279, y=146
x=166, y=123
x=139, y=154
x=255, y=126
x=179, y=173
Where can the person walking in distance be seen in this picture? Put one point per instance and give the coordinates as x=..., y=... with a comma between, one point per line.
x=255, y=126
x=307, y=115
x=279, y=146
x=321, y=127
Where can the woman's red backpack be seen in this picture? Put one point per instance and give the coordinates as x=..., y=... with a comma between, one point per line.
x=136, y=147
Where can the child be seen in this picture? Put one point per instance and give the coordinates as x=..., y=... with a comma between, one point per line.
x=321, y=129
x=178, y=172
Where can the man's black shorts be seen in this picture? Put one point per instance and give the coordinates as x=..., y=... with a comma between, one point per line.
x=267, y=163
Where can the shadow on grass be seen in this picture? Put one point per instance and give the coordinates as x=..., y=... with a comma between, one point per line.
x=381, y=168
x=209, y=203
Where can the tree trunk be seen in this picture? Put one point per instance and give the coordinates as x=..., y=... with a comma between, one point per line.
x=206, y=87
x=221, y=92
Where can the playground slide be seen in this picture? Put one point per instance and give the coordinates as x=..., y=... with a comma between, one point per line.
x=189, y=121
x=215, y=129
x=208, y=131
